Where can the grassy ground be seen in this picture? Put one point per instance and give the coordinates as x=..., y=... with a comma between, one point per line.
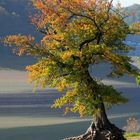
x=133, y=136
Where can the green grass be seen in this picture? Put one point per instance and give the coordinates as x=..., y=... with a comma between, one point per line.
x=128, y=135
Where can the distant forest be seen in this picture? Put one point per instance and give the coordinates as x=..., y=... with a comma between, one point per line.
x=134, y=11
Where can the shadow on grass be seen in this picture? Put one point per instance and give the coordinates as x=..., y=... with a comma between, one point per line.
x=52, y=132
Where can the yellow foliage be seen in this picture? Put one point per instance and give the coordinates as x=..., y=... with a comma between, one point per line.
x=66, y=55
x=76, y=34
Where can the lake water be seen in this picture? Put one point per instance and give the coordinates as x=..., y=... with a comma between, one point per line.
x=18, y=100
x=133, y=41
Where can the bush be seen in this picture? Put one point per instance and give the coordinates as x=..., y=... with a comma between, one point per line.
x=132, y=125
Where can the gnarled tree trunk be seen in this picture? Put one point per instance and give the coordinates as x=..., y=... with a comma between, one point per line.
x=101, y=129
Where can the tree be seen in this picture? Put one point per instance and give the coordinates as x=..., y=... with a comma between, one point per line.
x=77, y=34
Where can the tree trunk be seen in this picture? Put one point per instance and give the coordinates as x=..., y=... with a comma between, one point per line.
x=101, y=129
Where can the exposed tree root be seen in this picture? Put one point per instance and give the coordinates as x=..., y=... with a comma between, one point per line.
x=109, y=132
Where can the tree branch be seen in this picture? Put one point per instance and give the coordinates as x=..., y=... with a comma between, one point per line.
x=87, y=41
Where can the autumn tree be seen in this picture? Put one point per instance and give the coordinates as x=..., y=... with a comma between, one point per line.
x=75, y=35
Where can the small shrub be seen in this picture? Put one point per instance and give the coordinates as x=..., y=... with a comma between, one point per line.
x=132, y=125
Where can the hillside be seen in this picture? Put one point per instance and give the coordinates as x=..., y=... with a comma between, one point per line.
x=14, y=19
x=134, y=11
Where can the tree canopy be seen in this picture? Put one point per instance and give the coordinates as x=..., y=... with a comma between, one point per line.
x=76, y=34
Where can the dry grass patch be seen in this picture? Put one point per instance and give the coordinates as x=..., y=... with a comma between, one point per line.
x=132, y=136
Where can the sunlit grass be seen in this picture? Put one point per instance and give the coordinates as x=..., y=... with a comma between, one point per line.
x=132, y=135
